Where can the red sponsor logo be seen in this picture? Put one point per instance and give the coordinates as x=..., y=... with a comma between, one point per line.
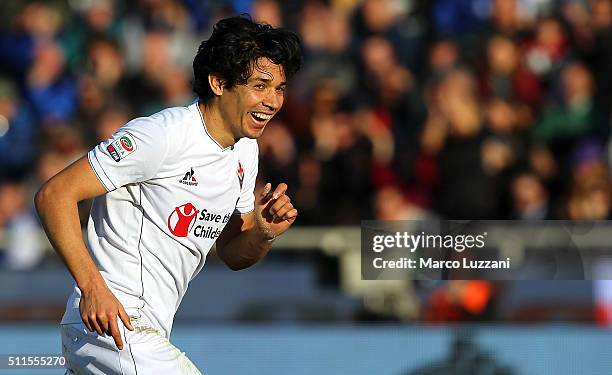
x=181, y=219
x=240, y=173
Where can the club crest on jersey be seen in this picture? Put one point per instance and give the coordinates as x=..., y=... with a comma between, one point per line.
x=189, y=179
x=121, y=147
x=240, y=173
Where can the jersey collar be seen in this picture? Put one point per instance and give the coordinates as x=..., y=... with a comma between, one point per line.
x=206, y=130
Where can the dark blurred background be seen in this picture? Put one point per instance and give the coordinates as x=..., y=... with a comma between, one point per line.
x=404, y=109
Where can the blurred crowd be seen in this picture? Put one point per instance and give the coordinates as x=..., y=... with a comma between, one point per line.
x=404, y=109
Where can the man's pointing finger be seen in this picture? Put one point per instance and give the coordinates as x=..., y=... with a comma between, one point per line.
x=280, y=190
x=265, y=192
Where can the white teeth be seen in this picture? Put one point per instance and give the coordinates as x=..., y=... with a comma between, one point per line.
x=261, y=116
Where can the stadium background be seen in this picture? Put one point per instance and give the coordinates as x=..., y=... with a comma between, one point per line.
x=458, y=109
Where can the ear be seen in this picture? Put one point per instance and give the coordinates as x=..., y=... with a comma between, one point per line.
x=216, y=84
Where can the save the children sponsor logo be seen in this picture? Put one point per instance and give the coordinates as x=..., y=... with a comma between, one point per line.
x=181, y=219
x=184, y=220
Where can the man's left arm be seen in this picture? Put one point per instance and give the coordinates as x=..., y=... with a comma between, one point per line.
x=247, y=238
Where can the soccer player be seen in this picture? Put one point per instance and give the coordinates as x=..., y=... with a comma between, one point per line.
x=167, y=188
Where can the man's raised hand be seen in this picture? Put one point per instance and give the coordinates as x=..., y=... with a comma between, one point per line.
x=274, y=211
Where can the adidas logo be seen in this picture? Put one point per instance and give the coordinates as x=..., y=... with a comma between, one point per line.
x=189, y=179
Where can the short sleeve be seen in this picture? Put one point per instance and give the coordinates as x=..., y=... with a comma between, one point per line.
x=133, y=154
x=246, y=202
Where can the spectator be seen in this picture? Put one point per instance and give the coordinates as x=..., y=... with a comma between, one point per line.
x=576, y=116
x=530, y=198
x=24, y=248
x=391, y=204
x=454, y=134
x=144, y=88
x=589, y=196
x=50, y=87
x=19, y=133
x=507, y=77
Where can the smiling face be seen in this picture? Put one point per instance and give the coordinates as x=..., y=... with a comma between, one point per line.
x=247, y=108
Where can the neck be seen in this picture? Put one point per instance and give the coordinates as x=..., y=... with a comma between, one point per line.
x=215, y=125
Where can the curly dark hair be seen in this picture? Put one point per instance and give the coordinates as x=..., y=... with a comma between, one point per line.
x=234, y=47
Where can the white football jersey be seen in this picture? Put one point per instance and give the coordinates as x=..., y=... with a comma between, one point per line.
x=171, y=190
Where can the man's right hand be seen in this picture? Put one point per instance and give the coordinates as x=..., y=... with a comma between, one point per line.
x=99, y=310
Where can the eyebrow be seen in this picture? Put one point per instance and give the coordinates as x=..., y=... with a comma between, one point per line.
x=268, y=80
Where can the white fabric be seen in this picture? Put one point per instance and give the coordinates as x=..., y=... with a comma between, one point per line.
x=145, y=351
x=171, y=192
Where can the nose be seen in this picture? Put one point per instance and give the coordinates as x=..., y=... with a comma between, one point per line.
x=273, y=100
